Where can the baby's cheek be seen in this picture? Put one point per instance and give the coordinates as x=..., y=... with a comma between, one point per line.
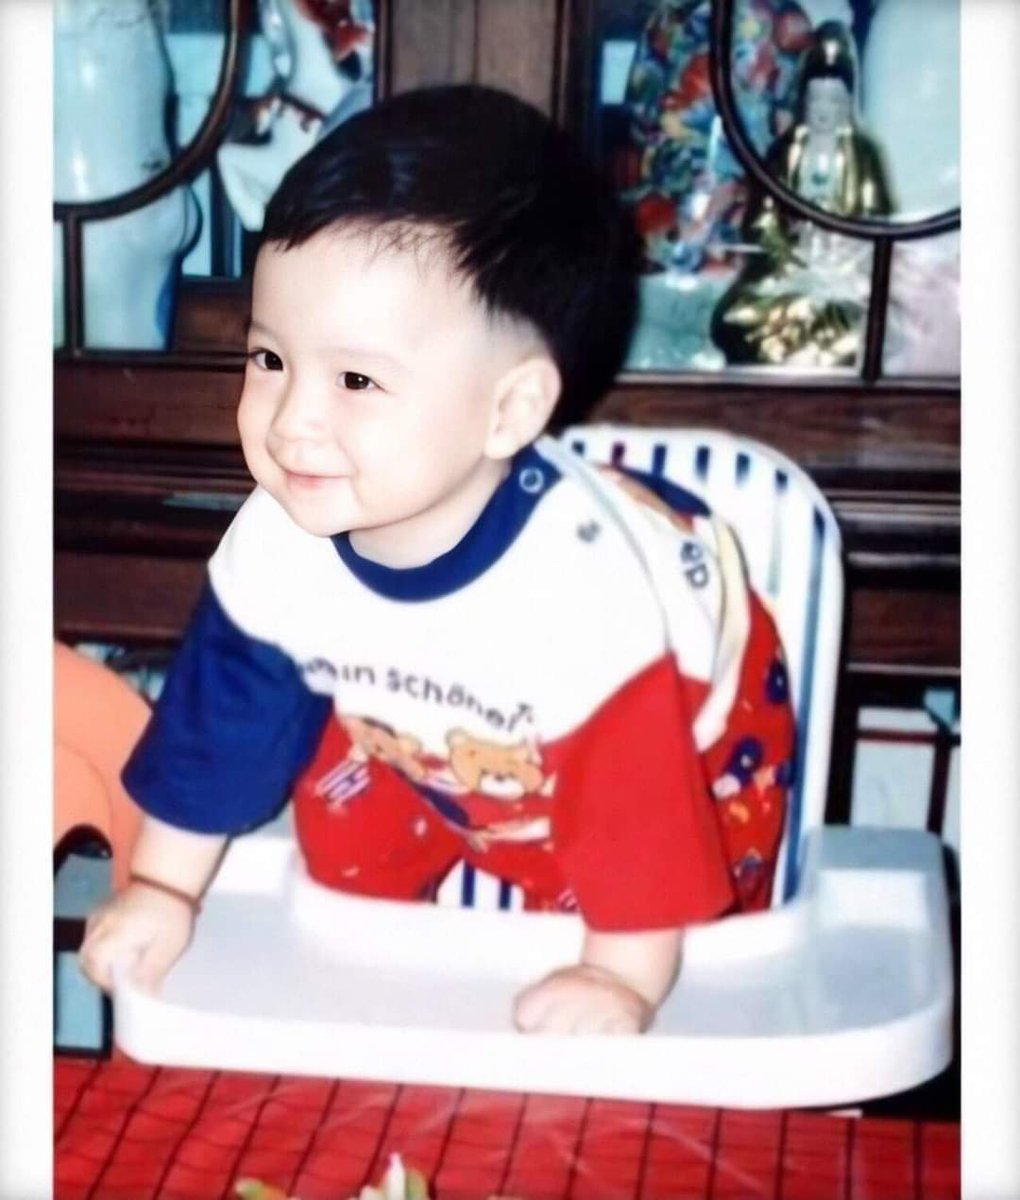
x=253, y=427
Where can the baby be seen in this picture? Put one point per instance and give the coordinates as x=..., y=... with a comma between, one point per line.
x=428, y=624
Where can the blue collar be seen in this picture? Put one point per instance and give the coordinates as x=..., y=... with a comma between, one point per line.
x=492, y=534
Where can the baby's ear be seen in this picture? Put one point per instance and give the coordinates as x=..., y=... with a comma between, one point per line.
x=526, y=395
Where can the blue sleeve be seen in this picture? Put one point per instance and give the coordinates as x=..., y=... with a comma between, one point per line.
x=232, y=729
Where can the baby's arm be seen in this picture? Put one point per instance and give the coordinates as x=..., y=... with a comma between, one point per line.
x=148, y=925
x=617, y=987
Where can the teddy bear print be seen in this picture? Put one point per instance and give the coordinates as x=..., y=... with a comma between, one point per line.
x=505, y=773
x=492, y=769
x=373, y=739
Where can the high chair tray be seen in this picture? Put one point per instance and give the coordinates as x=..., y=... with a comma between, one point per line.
x=842, y=994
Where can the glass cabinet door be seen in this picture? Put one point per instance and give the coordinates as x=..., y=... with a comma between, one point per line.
x=849, y=105
x=135, y=84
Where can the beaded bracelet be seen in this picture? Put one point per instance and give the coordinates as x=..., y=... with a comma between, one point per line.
x=168, y=889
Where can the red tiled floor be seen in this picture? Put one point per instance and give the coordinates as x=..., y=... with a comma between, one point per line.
x=130, y=1132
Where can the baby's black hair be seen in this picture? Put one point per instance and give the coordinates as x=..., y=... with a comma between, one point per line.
x=528, y=219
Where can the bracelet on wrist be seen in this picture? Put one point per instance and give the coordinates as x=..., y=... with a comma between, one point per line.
x=193, y=902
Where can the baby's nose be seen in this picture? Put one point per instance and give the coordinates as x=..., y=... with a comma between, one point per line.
x=300, y=414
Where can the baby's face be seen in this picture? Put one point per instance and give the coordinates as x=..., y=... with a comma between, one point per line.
x=368, y=391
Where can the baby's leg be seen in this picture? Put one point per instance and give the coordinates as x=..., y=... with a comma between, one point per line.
x=750, y=767
x=363, y=828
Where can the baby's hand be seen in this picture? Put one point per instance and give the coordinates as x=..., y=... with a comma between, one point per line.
x=144, y=927
x=581, y=999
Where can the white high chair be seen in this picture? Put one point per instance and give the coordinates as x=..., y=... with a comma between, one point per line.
x=841, y=992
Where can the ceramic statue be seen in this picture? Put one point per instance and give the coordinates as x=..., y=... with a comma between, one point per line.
x=801, y=298
x=321, y=53
x=112, y=82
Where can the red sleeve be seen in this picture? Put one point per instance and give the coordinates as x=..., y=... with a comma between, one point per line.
x=635, y=826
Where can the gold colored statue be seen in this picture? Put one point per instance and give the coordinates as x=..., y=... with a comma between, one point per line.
x=801, y=298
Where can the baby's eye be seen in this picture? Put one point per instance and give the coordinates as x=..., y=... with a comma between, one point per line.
x=266, y=360
x=354, y=382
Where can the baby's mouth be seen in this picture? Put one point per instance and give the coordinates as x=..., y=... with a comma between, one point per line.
x=301, y=479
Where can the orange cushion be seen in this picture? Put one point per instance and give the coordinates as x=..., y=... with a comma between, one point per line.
x=98, y=719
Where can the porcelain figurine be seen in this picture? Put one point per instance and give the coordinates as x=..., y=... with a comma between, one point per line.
x=801, y=298
x=321, y=52
x=112, y=81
